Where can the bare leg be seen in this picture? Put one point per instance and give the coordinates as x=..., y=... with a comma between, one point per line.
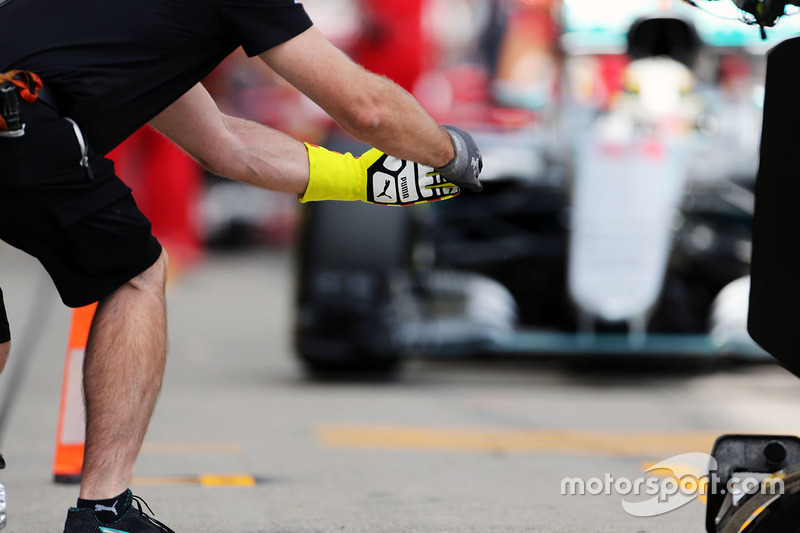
x=5, y=348
x=122, y=373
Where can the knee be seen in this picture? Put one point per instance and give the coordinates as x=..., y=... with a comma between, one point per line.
x=155, y=277
x=5, y=349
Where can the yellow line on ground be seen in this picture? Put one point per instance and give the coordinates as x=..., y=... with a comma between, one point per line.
x=230, y=480
x=539, y=441
x=203, y=480
x=191, y=448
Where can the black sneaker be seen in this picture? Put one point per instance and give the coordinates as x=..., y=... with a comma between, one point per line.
x=2, y=497
x=134, y=520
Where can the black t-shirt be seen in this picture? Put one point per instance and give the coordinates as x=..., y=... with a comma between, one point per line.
x=115, y=64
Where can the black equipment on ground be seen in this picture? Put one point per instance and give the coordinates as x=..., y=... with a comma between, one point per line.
x=768, y=506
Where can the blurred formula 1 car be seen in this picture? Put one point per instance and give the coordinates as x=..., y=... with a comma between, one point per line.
x=618, y=224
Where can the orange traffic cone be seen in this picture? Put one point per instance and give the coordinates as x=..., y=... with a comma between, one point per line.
x=71, y=433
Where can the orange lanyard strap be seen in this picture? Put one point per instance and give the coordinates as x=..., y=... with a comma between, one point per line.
x=27, y=82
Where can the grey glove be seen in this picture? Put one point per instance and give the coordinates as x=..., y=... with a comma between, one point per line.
x=466, y=166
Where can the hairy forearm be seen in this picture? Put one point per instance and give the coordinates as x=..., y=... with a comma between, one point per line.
x=261, y=156
x=232, y=147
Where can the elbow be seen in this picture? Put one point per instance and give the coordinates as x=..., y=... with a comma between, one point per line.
x=363, y=120
x=369, y=107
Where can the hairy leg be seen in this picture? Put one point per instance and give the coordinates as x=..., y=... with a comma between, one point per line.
x=122, y=373
x=5, y=348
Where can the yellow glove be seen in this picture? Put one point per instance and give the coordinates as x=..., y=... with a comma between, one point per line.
x=374, y=177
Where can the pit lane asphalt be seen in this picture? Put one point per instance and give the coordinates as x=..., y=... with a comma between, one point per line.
x=453, y=446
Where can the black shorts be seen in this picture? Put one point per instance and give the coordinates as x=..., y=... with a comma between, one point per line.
x=86, y=230
x=5, y=331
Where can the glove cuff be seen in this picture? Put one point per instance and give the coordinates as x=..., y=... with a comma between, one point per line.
x=458, y=164
x=333, y=176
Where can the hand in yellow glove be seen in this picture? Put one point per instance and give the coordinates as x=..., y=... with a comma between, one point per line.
x=374, y=177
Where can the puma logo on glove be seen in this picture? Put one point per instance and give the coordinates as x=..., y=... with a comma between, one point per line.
x=392, y=181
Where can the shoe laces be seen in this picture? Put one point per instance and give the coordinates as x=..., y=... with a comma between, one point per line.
x=139, y=502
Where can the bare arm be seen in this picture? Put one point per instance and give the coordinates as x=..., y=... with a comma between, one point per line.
x=232, y=147
x=370, y=107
